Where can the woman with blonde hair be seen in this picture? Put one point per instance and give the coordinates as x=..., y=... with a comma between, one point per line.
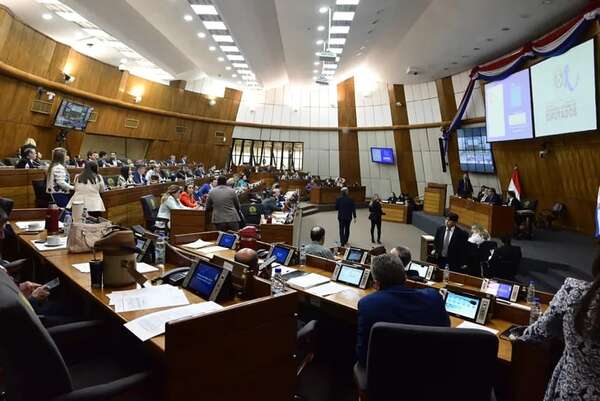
x=58, y=182
x=169, y=201
x=478, y=234
x=88, y=186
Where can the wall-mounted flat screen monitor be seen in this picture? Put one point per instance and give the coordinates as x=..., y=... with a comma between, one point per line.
x=72, y=115
x=382, y=155
x=508, y=108
x=474, y=152
x=564, y=92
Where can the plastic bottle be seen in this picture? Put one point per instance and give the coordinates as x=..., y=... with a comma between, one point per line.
x=277, y=282
x=530, y=292
x=67, y=223
x=302, y=254
x=446, y=274
x=535, y=312
x=159, y=252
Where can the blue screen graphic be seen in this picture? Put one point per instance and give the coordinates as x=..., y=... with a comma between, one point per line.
x=204, y=279
x=355, y=255
x=382, y=155
x=281, y=254
x=227, y=240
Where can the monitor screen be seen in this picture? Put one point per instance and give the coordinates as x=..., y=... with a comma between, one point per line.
x=499, y=290
x=355, y=255
x=462, y=305
x=72, y=115
x=564, y=92
x=281, y=253
x=350, y=275
x=419, y=268
x=204, y=279
x=508, y=108
x=227, y=240
x=474, y=152
x=382, y=155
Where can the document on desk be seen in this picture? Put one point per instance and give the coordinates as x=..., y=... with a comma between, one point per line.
x=24, y=225
x=153, y=324
x=141, y=267
x=44, y=247
x=307, y=281
x=469, y=325
x=159, y=296
x=198, y=244
x=212, y=249
x=326, y=289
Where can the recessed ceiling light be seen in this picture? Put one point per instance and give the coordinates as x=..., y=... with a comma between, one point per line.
x=212, y=48
x=230, y=49
x=315, y=71
x=47, y=16
x=220, y=59
x=201, y=35
x=340, y=29
x=188, y=18
x=320, y=28
x=223, y=38
x=228, y=68
x=337, y=41
x=323, y=9
x=123, y=61
x=336, y=50
x=343, y=16
x=234, y=75
x=506, y=28
x=316, y=63
x=204, y=9
x=319, y=42
x=330, y=66
x=214, y=25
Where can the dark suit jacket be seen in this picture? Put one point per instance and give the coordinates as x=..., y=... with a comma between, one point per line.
x=345, y=207
x=398, y=304
x=375, y=211
x=139, y=179
x=465, y=189
x=514, y=203
x=494, y=200
x=505, y=261
x=457, y=249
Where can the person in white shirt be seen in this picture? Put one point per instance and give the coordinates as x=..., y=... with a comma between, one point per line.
x=168, y=202
x=151, y=172
x=88, y=186
x=58, y=182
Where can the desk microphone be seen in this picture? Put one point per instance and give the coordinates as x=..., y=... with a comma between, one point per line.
x=266, y=263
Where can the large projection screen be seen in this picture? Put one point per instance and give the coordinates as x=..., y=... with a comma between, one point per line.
x=564, y=92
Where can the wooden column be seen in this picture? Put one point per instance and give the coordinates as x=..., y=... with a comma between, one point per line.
x=348, y=141
x=445, y=92
x=404, y=155
x=179, y=84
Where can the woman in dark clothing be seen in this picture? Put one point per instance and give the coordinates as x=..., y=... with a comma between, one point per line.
x=375, y=214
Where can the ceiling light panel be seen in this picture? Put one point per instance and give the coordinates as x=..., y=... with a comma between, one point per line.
x=212, y=21
x=347, y=2
x=343, y=16
x=337, y=41
x=340, y=29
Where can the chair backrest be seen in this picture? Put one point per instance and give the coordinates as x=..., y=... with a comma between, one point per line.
x=485, y=249
x=530, y=204
x=35, y=369
x=42, y=198
x=420, y=363
x=11, y=161
x=252, y=212
x=558, y=209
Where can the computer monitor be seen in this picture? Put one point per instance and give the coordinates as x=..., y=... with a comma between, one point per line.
x=356, y=255
x=227, y=240
x=503, y=290
x=282, y=253
x=467, y=306
x=423, y=270
x=206, y=280
x=354, y=275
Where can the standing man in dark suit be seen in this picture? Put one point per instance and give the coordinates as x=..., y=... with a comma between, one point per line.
x=450, y=244
x=513, y=202
x=346, y=211
x=465, y=189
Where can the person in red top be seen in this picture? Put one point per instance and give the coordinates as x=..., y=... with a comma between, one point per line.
x=187, y=197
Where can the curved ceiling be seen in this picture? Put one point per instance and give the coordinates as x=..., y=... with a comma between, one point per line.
x=278, y=38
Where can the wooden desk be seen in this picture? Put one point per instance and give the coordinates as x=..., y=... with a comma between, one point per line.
x=220, y=339
x=293, y=185
x=327, y=195
x=394, y=212
x=185, y=221
x=267, y=178
x=498, y=220
x=434, y=199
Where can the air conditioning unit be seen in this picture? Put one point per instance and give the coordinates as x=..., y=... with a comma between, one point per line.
x=41, y=106
x=327, y=56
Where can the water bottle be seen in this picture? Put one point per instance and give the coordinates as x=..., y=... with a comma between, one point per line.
x=67, y=223
x=535, y=311
x=303, y=254
x=159, y=252
x=446, y=274
x=530, y=292
x=277, y=282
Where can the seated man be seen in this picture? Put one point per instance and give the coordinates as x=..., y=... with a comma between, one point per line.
x=405, y=256
x=317, y=236
x=492, y=198
x=395, y=303
x=29, y=159
x=269, y=203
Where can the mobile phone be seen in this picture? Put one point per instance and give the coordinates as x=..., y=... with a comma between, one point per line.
x=505, y=335
x=50, y=285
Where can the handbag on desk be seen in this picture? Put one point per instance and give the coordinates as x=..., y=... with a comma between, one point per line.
x=83, y=236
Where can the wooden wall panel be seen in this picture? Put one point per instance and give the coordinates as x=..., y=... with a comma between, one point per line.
x=447, y=101
x=402, y=141
x=348, y=140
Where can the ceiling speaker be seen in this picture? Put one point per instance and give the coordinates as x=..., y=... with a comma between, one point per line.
x=132, y=123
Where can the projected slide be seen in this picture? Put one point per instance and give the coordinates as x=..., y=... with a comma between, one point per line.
x=508, y=108
x=564, y=92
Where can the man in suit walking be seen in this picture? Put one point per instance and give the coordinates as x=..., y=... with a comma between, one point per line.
x=450, y=244
x=346, y=211
x=224, y=204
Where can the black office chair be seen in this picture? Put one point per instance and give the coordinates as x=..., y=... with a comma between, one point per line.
x=70, y=362
x=252, y=213
x=484, y=252
x=11, y=161
x=306, y=343
x=150, y=211
x=42, y=198
x=420, y=363
x=526, y=219
x=548, y=216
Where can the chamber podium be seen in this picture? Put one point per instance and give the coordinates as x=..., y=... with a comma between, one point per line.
x=498, y=220
x=323, y=195
x=434, y=199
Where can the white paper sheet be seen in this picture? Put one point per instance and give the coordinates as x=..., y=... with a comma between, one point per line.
x=23, y=225
x=141, y=267
x=42, y=247
x=147, y=298
x=469, y=325
x=153, y=324
x=327, y=289
x=307, y=281
x=198, y=244
x=211, y=249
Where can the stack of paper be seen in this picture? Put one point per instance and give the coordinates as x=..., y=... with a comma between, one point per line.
x=327, y=289
x=212, y=249
x=43, y=247
x=141, y=267
x=469, y=325
x=24, y=225
x=307, y=281
x=198, y=244
x=153, y=324
x=147, y=298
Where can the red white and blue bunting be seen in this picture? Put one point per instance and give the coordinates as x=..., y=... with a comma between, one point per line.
x=552, y=44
